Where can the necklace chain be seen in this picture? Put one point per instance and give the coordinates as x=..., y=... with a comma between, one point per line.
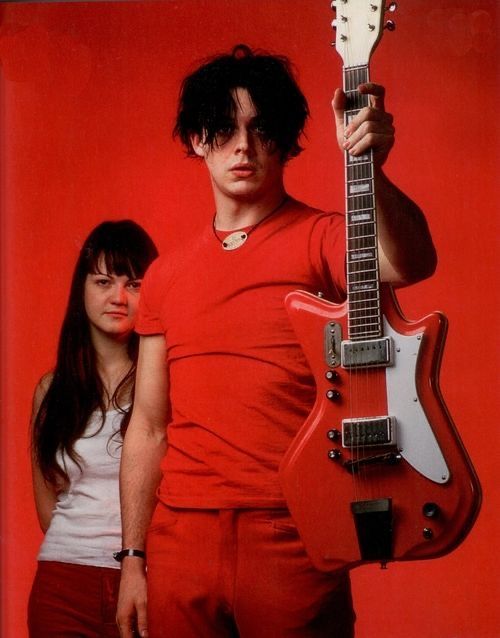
x=238, y=237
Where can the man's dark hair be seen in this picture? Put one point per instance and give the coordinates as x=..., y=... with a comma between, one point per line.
x=207, y=104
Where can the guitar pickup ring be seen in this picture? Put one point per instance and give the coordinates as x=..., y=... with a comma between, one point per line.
x=369, y=432
x=369, y=353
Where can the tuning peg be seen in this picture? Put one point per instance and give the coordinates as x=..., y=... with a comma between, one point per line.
x=390, y=25
x=334, y=23
x=392, y=7
x=333, y=5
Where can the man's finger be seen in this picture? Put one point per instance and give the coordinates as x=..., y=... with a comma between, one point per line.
x=338, y=105
x=376, y=93
x=142, y=621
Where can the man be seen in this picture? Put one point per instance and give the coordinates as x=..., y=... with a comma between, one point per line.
x=220, y=364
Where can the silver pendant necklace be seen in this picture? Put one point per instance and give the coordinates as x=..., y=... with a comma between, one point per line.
x=237, y=238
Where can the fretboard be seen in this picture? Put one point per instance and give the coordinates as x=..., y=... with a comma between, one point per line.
x=363, y=289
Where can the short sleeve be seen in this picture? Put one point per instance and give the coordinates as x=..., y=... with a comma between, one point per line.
x=149, y=314
x=328, y=252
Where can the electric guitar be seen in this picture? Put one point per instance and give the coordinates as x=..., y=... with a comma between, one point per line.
x=378, y=471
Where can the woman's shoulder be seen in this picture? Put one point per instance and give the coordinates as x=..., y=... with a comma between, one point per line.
x=41, y=390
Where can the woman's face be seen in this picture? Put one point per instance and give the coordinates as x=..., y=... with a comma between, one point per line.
x=111, y=302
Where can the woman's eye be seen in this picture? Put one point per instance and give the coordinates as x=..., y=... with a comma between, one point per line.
x=102, y=282
x=134, y=285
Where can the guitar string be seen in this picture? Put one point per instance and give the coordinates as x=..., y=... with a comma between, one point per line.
x=361, y=377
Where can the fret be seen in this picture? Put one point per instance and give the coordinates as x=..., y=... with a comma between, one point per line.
x=365, y=334
x=351, y=271
x=361, y=187
x=353, y=301
x=362, y=266
x=364, y=276
x=360, y=329
x=363, y=256
x=359, y=158
x=364, y=324
x=359, y=202
x=363, y=321
x=358, y=172
x=359, y=217
x=365, y=307
x=355, y=230
x=363, y=287
x=357, y=314
x=364, y=242
x=363, y=229
x=356, y=327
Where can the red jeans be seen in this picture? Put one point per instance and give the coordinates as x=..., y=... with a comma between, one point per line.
x=228, y=573
x=73, y=601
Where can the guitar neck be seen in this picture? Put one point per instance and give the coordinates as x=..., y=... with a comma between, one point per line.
x=363, y=286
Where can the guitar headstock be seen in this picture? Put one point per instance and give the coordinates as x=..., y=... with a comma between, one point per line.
x=359, y=25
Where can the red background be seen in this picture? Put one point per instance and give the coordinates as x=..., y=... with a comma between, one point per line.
x=88, y=100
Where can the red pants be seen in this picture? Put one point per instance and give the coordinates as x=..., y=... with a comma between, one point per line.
x=229, y=573
x=73, y=601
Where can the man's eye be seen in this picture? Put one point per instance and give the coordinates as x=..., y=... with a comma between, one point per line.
x=261, y=131
x=102, y=282
x=224, y=134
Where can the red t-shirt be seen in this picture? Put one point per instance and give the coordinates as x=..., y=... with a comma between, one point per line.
x=240, y=387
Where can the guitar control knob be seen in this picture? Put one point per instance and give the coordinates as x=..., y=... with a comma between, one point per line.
x=332, y=375
x=431, y=510
x=333, y=435
x=427, y=533
x=333, y=395
x=390, y=25
x=334, y=454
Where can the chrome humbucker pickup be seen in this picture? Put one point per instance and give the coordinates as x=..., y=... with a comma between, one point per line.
x=369, y=432
x=371, y=353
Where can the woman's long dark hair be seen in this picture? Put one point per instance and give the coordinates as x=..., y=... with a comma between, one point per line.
x=76, y=389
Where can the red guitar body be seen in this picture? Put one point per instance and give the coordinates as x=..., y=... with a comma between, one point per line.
x=355, y=501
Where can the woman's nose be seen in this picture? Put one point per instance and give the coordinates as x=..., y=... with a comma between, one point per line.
x=119, y=295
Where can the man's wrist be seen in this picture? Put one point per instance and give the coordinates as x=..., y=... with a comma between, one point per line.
x=129, y=551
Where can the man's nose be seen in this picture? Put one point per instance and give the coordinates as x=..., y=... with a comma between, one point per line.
x=243, y=137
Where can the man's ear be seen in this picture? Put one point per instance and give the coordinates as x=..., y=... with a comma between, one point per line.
x=198, y=145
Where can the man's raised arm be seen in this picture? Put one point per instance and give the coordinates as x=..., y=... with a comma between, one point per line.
x=406, y=250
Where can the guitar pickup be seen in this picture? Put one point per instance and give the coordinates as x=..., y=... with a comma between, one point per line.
x=370, y=353
x=369, y=432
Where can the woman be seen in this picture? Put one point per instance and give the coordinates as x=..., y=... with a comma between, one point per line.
x=80, y=412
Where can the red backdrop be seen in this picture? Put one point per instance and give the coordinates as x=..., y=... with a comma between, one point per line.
x=88, y=100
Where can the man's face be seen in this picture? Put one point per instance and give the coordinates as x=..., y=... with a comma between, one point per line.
x=243, y=165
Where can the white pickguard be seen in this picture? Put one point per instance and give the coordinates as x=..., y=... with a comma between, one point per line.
x=415, y=438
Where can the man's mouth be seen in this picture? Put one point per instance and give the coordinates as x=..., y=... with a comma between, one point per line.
x=243, y=170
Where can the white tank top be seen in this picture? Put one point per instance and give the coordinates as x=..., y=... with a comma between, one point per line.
x=86, y=525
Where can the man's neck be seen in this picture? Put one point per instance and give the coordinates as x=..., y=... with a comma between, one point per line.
x=233, y=214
